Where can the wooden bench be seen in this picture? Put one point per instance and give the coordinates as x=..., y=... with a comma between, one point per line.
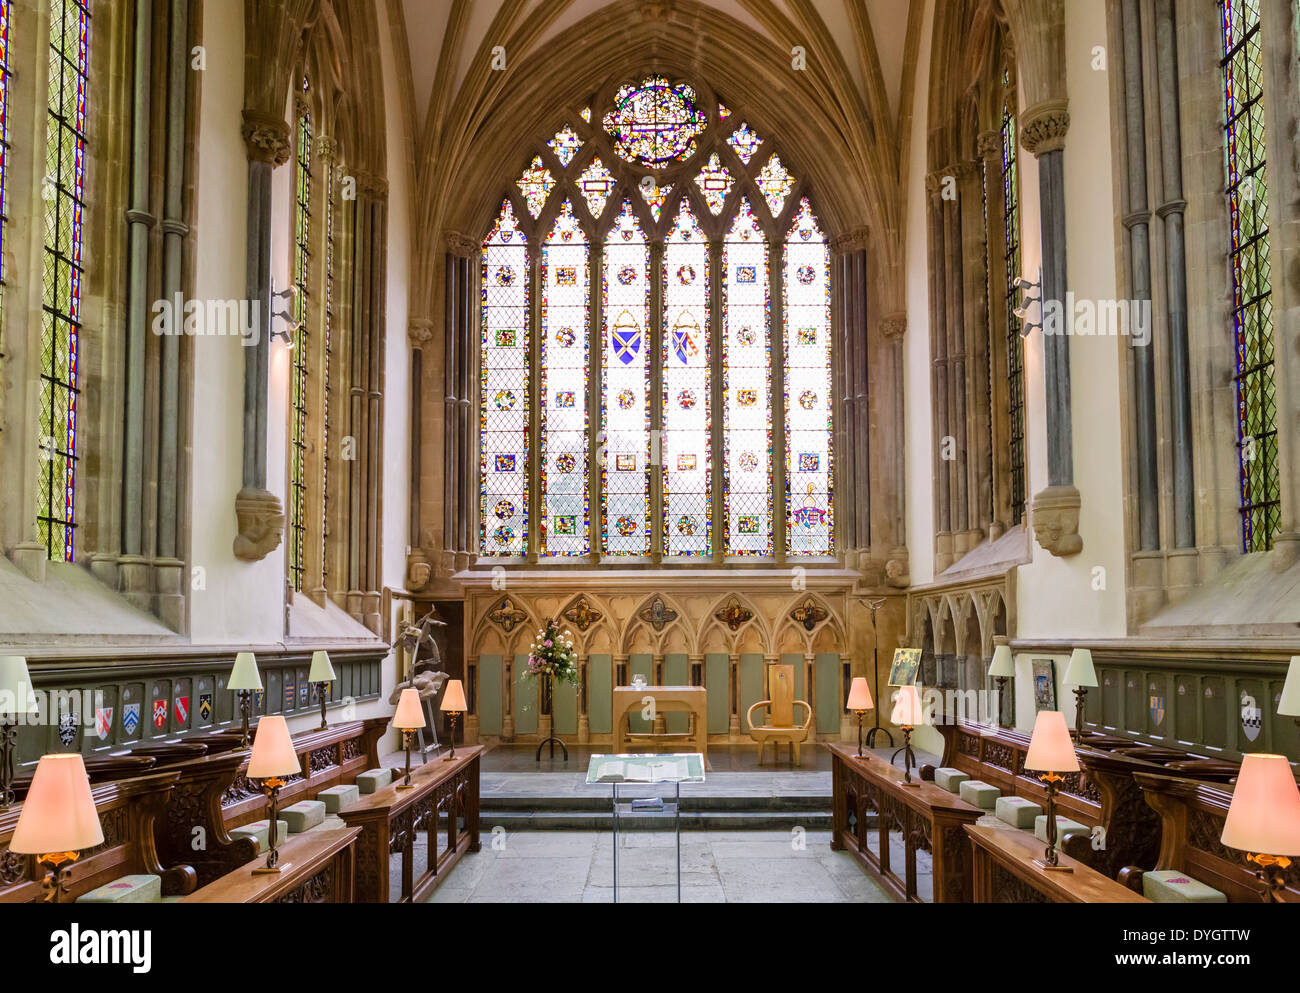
x=1005, y=872
x=444, y=795
x=1191, y=821
x=321, y=868
x=927, y=817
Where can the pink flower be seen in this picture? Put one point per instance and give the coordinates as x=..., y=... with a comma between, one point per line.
x=548, y=642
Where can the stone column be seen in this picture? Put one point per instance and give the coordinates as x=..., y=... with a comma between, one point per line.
x=990, y=150
x=780, y=484
x=810, y=687
x=939, y=372
x=596, y=455
x=955, y=301
x=1055, y=509
x=657, y=677
x=507, y=697
x=471, y=698
x=845, y=468
x=859, y=429
x=733, y=697
x=584, y=720
x=258, y=512
x=848, y=722
x=451, y=346
x=419, y=570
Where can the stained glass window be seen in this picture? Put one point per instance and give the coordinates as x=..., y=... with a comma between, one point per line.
x=563, y=524
x=4, y=151
x=775, y=183
x=654, y=195
x=63, y=272
x=565, y=145
x=744, y=142
x=625, y=432
x=808, y=408
x=536, y=185
x=655, y=122
x=685, y=446
x=327, y=347
x=301, y=342
x=1252, y=306
x=715, y=183
x=1015, y=343
x=504, y=403
x=747, y=394
x=596, y=183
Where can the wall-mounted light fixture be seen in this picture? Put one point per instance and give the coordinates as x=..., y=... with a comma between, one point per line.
x=1033, y=294
x=286, y=299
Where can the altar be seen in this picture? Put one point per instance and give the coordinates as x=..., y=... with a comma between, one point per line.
x=655, y=701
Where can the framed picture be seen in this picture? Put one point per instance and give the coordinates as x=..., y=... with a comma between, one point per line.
x=905, y=665
x=1044, y=684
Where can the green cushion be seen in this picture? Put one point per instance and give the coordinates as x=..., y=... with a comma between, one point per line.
x=304, y=815
x=1064, y=828
x=128, y=889
x=1170, y=886
x=257, y=831
x=1017, y=811
x=374, y=779
x=950, y=779
x=979, y=794
x=336, y=798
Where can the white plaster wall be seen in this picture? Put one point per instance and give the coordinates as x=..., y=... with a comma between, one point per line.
x=240, y=602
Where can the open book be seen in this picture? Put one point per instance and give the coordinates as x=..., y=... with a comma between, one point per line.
x=653, y=770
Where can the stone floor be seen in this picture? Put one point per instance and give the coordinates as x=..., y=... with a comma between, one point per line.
x=717, y=867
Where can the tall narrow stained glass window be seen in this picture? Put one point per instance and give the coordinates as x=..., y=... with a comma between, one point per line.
x=63, y=273
x=808, y=424
x=504, y=402
x=302, y=262
x=563, y=526
x=625, y=431
x=4, y=154
x=1015, y=343
x=747, y=375
x=685, y=447
x=651, y=352
x=327, y=348
x=1245, y=151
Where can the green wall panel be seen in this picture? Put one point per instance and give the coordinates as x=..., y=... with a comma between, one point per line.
x=600, y=684
x=565, y=709
x=643, y=665
x=489, y=694
x=716, y=676
x=751, y=686
x=677, y=672
x=525, y=698
x=827, y=718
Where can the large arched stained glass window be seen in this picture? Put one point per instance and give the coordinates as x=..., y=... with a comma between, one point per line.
x=666, y=230
x=808, y=387
x=564, y=525
x=685, y=448
x=69, y=90
x=504, y=403
x=626, y=388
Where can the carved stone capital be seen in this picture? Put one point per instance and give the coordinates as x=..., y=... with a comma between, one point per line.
x=418, y=570
x=460, y=244
x=934, y=181
x=266, y=138
x=893, y=326
x=1043, y=127
x=420, y=332
x=897, y=571
x=989, y=145
x=327, y=148
x=1056, y=520
x=261, y=524
x=371, y=185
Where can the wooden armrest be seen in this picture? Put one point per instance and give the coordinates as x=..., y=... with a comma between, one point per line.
x=1131, y=876
x=749, y=714
x=808, y=707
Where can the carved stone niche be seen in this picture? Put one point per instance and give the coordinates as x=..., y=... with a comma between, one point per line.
x=1056, y=520
x=261, y=524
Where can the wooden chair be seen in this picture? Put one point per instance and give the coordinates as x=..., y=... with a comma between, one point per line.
x=780, y=727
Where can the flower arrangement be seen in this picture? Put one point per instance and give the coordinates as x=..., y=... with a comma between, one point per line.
x=552, y=655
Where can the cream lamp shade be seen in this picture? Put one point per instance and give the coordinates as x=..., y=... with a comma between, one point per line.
x=244, y=676
x=453, y=700
x=321, y=669
x=1289, y=704
x=410, y=715
x=1050, y=746
x=273, y=755
x=59, y=813
x=1264, y=816
x=859, y=695
x=1004, y=664
x=908, y=709
x=16, y=696
x=1080, y=671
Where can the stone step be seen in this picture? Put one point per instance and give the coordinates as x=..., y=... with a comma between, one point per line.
x=600, y=800
x=709, y=820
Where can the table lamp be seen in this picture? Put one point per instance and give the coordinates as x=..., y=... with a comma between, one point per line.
x=1051, y=752
x=58, y=820
x=273, y=758
x=408, y=719
x=1264, y=819
x=453, y=704
x=1289, y=703
x=1080, y=674
x=322, y=674
x=245, y=678
x=909, y=713
x=16, y=701
x=1002, y=668
x=859, y=702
